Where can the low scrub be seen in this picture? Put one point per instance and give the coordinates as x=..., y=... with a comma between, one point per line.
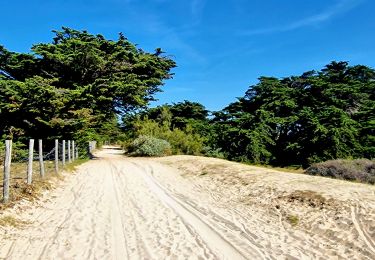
x=148, y=146
x=12, y=221
x=182, y=141
x=361, y=170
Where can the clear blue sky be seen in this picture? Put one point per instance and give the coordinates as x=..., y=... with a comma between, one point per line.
x=221, y=47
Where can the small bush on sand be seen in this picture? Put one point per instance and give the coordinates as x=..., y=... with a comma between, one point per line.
x=11, y=221
x=362, y=170
x=293, y=220
x=216, y=153
x=182, y=141
x=149, y=146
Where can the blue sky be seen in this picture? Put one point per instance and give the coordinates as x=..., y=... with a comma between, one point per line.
x=221, y=47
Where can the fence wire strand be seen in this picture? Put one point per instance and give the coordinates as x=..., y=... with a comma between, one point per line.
x=48, y=156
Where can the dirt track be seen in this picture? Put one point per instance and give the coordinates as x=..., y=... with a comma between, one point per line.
x=184, y=207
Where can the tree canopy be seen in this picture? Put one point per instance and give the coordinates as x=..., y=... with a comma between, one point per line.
x=317, y=116
x=181, y=113
x=297, y=120
x=76, y=85
x=79, y=85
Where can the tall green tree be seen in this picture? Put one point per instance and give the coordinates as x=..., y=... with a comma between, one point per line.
x=77, y=84
x=302, y=119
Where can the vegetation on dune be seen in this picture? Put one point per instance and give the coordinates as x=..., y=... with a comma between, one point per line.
x=170, y=123
x=148, y=146
x=80, y=85
x=292, y=219
x=303, y=119
x=361, y=170
x=294, y=121
x=12, y=221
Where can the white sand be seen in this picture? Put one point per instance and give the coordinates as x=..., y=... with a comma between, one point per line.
x=184, y=207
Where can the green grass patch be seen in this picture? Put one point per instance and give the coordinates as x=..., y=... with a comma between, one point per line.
x=293, y=220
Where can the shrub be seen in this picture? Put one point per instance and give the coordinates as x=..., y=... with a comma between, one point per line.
x=148, y=146
x=293, y=220
x=210, y=152
x=182, y=141
x=362, y=170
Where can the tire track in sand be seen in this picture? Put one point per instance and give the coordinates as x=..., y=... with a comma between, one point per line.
x=222, y=247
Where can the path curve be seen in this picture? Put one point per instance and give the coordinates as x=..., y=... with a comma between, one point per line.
x=113, y=208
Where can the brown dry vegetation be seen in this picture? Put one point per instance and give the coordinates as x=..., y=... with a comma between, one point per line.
x=19, y=189
x=12, y=221
x=360, y=170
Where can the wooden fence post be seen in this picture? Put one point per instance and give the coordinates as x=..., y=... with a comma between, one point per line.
x=73, y=148
x=7, y=162
x=63, y=153
x=56, y=156
x=69, y=154
x=76, y=152
x=41, y=163
x=30, y=163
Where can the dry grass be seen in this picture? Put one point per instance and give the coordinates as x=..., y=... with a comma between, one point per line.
x=308, y=198
x=293, y=220
x=359, y=170
x=292, y=169
x=19, y=189
x=12, y=221
x=72, y=166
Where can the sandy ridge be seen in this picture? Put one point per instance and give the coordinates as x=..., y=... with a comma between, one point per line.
x=185, y=207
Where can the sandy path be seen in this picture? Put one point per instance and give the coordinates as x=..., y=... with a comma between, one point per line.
x=113, y=208
x=134, y=208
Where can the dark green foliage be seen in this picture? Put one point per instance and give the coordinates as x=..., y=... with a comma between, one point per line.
x=148, y=146
x=362, y=170
x=301, y=120
x=19, y=151
x=181, y=113
x=187, y=111
x=211, y=152
x=79, y=85
x=183, y=141
x=76, y=86
x=297, y=120
x=159, y=122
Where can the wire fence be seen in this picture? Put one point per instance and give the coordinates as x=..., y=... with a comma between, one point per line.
x=20, y=164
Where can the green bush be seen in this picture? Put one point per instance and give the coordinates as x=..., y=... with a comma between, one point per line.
x=182, y=141
x=216, y=153
x=362, y=170
x=148, y=146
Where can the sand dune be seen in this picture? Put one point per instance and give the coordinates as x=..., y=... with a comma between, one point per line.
x=184, y=207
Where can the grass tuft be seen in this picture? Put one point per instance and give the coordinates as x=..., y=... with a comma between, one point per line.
x=12, y=221
x=293, y=220
x=19, y=189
